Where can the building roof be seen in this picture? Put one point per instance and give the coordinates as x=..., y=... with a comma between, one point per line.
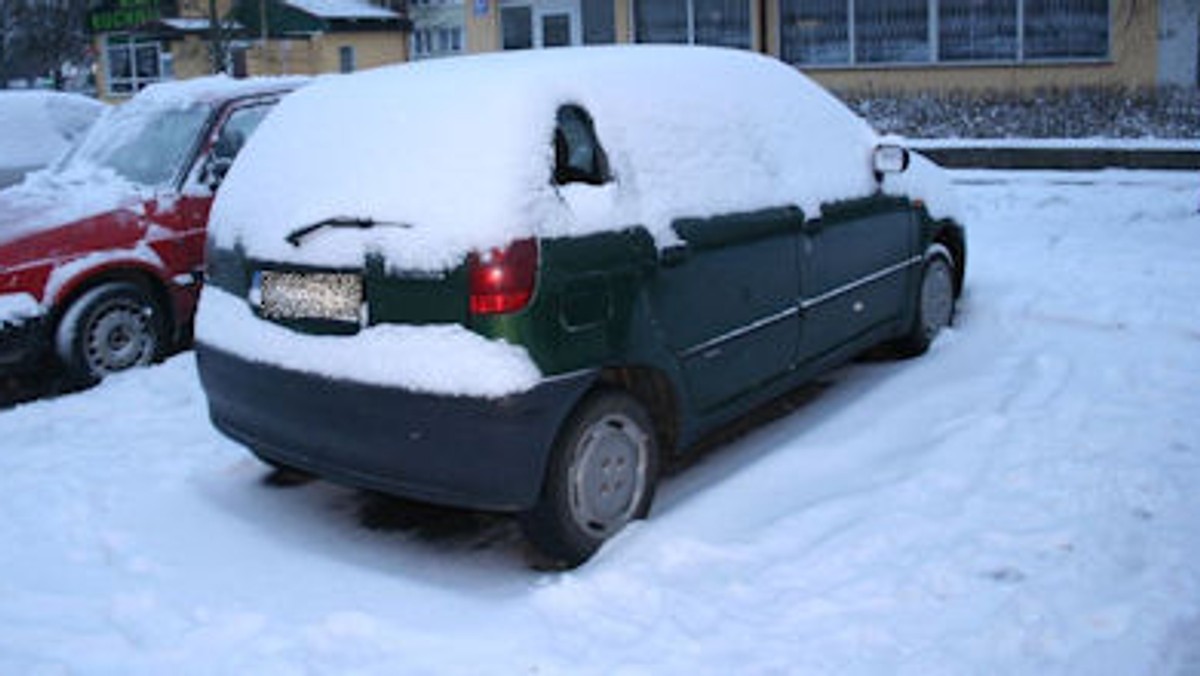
x=189, y=24
x=342, y=9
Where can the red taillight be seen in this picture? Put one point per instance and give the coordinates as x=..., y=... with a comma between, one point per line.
x=502, y=280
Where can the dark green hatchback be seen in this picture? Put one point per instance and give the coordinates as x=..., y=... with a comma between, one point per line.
x=518, y=282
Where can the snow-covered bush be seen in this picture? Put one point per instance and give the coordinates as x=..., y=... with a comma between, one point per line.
x=1162, y=112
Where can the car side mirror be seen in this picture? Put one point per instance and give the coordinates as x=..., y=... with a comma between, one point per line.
x=890, y=159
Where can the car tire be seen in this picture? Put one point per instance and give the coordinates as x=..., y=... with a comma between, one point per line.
x=935, y=302
x=602, y=475
x=112, y=327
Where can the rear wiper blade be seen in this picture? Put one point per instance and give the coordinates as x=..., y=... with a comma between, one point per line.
x=297, y=237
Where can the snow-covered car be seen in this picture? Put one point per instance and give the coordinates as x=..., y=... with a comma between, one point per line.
x=102, y=255
x=37, y=127
x=517, y=282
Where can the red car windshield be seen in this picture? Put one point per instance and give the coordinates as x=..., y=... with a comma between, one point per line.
x=145, y=144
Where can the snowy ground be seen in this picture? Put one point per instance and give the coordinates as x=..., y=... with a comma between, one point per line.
x=1021, y=500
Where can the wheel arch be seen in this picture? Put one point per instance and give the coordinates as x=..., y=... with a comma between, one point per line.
x=653, y=390
x=145, y=278
x=951, y=236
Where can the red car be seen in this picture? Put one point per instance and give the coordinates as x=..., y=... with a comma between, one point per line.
x=101, y=256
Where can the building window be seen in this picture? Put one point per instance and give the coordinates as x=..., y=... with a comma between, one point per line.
x=131, y=63
x=721, y=22
x=599, y=22
x=891, y=31
x=1066, y=29
x=346, y=59
x=661, y=21
x=872, y=32
x=724, y=23
x=815, y=32
x=977, y=30
x=516, y=27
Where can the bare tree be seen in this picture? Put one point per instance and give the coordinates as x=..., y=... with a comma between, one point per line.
x=218, y=39
x=53, y=36
x=10, y=11
x=39, y=37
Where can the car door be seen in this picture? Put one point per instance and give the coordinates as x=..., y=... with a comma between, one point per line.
x=855, y=263
x=725, y=300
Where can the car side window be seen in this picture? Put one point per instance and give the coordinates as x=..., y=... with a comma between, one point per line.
x=241, y=123
x=578, y=156
x=232, y=136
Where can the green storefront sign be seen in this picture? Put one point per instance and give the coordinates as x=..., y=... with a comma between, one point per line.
x=123, y=15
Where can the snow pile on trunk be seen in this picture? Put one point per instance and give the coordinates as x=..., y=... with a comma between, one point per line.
x=444, y=359
x=460, y=152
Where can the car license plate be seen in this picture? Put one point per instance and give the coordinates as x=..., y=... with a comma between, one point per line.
x=311, y=295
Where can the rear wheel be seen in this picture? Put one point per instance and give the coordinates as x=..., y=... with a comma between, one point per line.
x=110, y=328
x=935, y=302
x=602, y=475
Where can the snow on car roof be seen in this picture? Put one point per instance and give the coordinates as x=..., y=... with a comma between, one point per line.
x=457, y=153
x=38, y=126
x=75, y=188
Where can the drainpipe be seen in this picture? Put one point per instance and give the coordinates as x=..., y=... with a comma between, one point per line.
x=762, y=27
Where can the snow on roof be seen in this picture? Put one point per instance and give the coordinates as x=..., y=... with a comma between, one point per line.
x=461, y=151
x=38, y=126
x=343, y=9
x=192, y=25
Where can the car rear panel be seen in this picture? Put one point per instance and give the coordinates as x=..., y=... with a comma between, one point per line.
x=460, y=451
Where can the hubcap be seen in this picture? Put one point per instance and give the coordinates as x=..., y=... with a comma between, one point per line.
x=937, y=297
x=608, y=477
x=119, y=337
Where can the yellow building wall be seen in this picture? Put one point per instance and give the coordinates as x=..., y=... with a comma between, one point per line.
x=190, y=58
x=1133, y=60
x=307, y=56
x=623, y=16
x=370, y=50
x=483, y=31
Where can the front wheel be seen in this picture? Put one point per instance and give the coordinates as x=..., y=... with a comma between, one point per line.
x=112, y=327
x=935, y=304
x=602, y=475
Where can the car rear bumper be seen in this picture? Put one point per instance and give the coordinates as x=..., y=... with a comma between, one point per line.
x=452, y=450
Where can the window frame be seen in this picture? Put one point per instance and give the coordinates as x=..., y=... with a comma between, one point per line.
x=935, y=60
x=347, y=59
x=690, y=6
x=130, y=44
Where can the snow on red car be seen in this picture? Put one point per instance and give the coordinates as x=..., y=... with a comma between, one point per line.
x=101, y=256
